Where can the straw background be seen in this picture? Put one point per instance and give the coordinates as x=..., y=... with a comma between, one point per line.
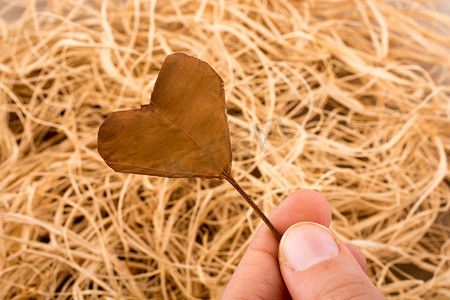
x=350, y=98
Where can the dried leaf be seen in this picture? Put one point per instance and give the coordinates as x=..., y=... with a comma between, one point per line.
x=183, y=132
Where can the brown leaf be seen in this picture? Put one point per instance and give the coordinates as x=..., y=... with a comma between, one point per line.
x=183, y=132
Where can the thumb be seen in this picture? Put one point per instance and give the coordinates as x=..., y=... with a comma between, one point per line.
x=316, y=265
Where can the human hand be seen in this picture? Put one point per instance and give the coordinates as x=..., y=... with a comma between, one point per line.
x=308, y=263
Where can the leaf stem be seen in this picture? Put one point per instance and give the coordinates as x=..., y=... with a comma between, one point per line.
x=247, y=198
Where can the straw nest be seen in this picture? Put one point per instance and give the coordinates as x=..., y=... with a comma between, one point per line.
x=350, y=98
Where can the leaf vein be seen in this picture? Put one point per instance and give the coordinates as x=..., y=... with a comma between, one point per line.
x=179, y=126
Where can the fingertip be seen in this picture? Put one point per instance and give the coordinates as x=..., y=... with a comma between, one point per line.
x=300, y=206
x=315, y=264
x=359, y=256
x=312, y=201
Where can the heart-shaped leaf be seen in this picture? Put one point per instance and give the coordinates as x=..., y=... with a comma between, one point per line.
x=183, y=132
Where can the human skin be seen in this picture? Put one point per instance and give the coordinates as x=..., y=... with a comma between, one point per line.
x=262, y=275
